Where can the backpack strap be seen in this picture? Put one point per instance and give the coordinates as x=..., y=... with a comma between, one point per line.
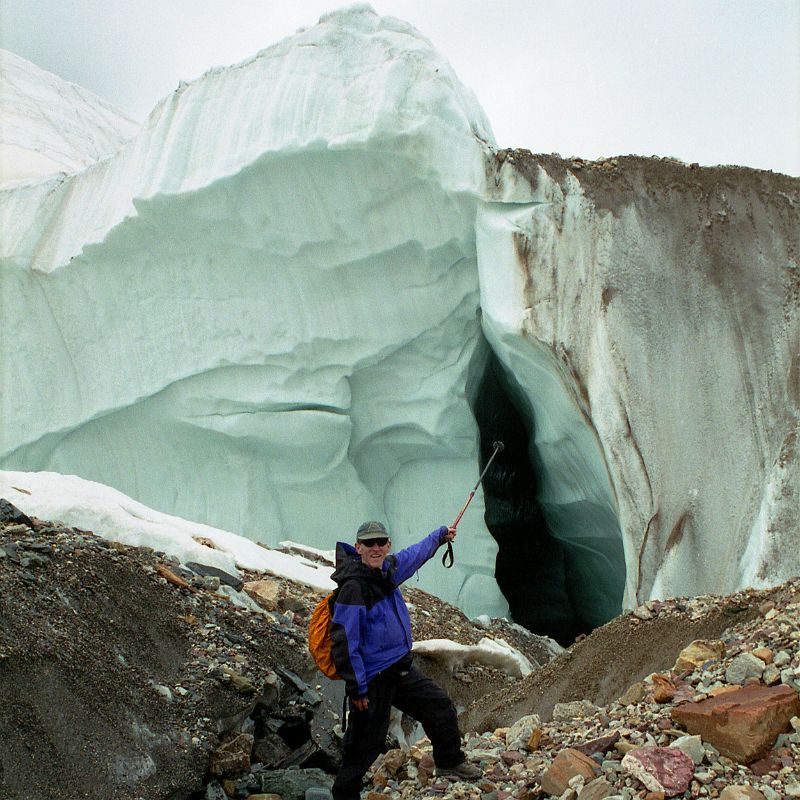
x=345, y=714
x=392, y=559
x=368, y=591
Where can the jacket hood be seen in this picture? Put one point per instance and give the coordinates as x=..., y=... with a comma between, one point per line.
x=350, y=565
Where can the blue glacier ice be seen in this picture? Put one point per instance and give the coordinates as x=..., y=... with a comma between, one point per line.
x=275, y=309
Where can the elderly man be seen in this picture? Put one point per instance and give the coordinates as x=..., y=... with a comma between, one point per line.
x=371, y=633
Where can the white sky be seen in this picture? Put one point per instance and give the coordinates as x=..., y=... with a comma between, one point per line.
x=712, y=81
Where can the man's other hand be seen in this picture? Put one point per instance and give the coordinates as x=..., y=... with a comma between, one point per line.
x=361, y=703
x=450, y=535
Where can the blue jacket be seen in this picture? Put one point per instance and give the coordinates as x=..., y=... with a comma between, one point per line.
x=371, y=629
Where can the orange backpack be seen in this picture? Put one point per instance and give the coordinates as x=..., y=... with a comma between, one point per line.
x=319, y=631
x=319, y=636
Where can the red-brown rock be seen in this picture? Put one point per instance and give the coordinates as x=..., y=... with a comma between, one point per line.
x=742, y=724
x=567, y=764
x=660, y=769
x=741, y=792
x=598, y=789
x=663, y=689
x=394, y=760
x=600, y=745
x=425, y=768
x=232, y=756
x=774, y=761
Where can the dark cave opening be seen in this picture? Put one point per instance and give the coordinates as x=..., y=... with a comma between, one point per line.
x=560, y=586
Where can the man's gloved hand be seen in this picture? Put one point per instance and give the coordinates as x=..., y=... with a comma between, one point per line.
x=446, y=536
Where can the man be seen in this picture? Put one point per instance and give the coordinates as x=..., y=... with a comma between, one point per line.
x=371, y=633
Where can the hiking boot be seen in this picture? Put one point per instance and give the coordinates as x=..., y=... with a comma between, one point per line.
x=463, y=772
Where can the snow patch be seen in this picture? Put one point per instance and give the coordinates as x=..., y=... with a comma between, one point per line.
x=108, y=513
x=495, y=653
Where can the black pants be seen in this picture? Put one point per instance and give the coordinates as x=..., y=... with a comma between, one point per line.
x=414, y=694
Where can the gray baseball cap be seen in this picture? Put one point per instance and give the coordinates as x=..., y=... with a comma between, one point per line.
x=368, y=531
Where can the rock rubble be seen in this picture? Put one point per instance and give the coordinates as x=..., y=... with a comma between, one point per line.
x=633, y=747
x=178, y=674
x=175, y=681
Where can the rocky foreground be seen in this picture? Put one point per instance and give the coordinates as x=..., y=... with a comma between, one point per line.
x=723, y=721
x=129, y=676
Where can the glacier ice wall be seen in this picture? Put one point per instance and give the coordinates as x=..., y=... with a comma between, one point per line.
x=311, y=291
x=260, y=313
x=52, y=126
x=657, y=304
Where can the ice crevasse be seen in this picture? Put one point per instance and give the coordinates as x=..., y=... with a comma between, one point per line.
x=310, y=290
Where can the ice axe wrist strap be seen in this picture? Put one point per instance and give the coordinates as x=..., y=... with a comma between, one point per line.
x=447, y=556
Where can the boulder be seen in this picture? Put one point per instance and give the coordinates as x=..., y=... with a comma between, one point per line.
x=303, y=756
x=292, y=784
x=598, y=789
x=697, y=653
x=633, y=694
x=744, y=666
x=270, y=750
x=660, y=769
x=238, y=682
x=764, y=653
x=566, y=765
x=624, y=746
x=744, y=723
x=692, y=746
x=600, y=745
x=207, y=570
x=663, y=689
x=232, y=756
x=522, y=733
x=773, y=762
x=426, y=769
x=215, y=792
x=535, y=739
x=741, y=792
x=772, y=675
x=574, y=709
x=394, y=760
x=10, y=514
x=265, y=592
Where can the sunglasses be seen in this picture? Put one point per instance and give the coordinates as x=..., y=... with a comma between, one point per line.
x=382, y=542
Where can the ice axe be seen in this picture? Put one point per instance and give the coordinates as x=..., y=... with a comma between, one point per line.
x=447, y=558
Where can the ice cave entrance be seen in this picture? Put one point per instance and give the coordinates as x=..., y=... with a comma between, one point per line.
x=560, y=566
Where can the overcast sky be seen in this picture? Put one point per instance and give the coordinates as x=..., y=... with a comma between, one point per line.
x=712, y=81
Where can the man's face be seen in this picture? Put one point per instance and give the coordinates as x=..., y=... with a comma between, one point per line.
x=374, y=552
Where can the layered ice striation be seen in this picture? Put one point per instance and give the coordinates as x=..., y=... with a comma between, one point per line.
x=262, y=311
x=50, y=126
x=311, y=291
x=660, y=303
